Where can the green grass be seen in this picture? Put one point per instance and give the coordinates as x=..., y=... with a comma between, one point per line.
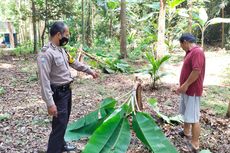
x=216, y=99
x=2, y=91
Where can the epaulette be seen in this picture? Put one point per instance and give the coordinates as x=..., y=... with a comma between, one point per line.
x=45, y=48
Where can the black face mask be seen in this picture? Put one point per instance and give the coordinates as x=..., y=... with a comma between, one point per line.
x=63, y=41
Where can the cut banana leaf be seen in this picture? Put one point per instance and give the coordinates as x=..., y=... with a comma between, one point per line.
x=112, y=135
x=151, y=135
x=86, y=125
x=85, y=131
x=108, y=103
x=120, y=139
x=84, y=121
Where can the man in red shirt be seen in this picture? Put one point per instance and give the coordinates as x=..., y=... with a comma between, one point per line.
x=191, y=87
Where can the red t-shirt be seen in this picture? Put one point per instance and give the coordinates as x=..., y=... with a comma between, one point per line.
x=193, y=60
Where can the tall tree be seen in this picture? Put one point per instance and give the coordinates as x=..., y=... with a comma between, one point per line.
x=89, y=25
x=161, y=47
x=123, y=43
x=83, y=21
x=190, y=16
x=34, y=25
x=222, y=6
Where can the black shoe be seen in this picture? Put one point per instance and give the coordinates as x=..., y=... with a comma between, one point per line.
x=69, y=148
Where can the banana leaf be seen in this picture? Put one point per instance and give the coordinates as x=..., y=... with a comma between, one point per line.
x=108, y=103
x=85, y=131
x=150, y=134
x=120, y=139
x=86, y=125
x=112, y=136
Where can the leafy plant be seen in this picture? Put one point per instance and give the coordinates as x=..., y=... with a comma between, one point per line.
x=115, y=65
x=202, y=21
x=4, y=117
x=108, y=128
x=169, y=120
x=23, y=49
x=2, y=90
x=155, y=65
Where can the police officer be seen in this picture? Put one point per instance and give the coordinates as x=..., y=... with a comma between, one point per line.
x=55, y=79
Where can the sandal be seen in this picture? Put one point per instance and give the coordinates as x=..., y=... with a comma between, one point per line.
x=193, y=148
x=182, y=134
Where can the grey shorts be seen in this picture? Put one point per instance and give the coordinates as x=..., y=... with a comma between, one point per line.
x=190, y=108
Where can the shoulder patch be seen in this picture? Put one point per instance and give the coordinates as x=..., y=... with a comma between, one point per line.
x=44, y=48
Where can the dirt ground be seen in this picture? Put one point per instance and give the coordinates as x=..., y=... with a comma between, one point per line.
x=28, y=127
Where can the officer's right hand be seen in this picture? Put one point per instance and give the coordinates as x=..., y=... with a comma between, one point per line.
x=95, y=75
x=52, y=110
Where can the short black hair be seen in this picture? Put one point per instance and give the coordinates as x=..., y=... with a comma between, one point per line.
x=187, y=37
x=57, y=27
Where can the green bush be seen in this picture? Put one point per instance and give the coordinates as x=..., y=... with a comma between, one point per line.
x=23, y=49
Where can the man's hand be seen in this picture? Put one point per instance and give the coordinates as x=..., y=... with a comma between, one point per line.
x=182, y=89
x=95, y=75
x=52, y=110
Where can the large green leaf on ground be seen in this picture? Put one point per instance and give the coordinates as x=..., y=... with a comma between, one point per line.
x=112, y=135
x=86, y=125
x=85, y=131
x=120, y=139
x=108, y=103
x=151, y=135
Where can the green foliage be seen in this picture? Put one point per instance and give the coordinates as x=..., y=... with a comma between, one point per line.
x=86, y=125
x=169, y=120
x=205, y=151
x=150, y=134
x=115, y=65
x=23, y=49
x=155, y=65
x=4, y=117
x=2, y=91
x=109, y=131
x=216, y=99
x=116, y=135
x=32, y=78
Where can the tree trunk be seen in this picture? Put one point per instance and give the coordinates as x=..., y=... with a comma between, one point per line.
x=161, y=47
x=123, y=47
x=44, y=30
x=34, y=26
x=11, y=35
x=89, y=29
x=190, y=16
x=222, y=40
x=83, y=22
x=111, y=27
x=202, y=37
x=228, y=113
x=39, y=34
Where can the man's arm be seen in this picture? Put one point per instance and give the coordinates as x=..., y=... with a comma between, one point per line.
x=44, y=69
x=192, y=78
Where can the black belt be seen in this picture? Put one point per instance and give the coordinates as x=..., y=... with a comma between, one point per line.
x=63, y=87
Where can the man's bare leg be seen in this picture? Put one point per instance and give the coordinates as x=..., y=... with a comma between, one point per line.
x=187, y=127
x=195, y=134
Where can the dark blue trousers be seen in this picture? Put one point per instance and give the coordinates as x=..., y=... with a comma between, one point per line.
x=63, y=101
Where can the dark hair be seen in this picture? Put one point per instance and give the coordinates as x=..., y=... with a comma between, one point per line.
x=57, y=27
x=187, y=37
